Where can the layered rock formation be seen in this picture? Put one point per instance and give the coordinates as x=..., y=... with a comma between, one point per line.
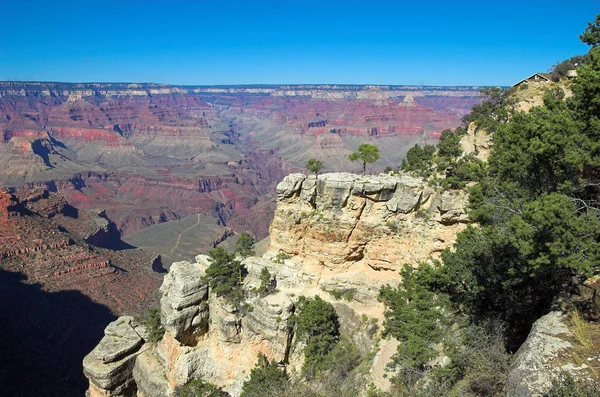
x=340, y=220
x=63, y=248
x=340, y=233
x=150, y=153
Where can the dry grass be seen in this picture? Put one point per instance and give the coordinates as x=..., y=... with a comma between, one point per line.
x=586, y=344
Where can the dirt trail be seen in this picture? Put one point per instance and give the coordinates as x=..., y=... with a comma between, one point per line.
x=182, y=233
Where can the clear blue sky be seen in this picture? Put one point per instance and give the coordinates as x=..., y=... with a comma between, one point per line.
x=436, y=42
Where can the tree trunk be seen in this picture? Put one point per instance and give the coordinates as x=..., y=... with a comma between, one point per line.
x=364, y=168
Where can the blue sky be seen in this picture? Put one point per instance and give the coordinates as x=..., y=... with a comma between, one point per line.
x=485, y=42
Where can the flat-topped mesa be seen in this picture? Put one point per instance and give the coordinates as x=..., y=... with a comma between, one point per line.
x=339, y=219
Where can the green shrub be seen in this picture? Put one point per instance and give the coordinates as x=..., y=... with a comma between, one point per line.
x=318, y=326
x=281, y=256
x=415, y=318
x=266, y=380
x=244, y=246
x=225, y=275
x=419, y=159
x=449, y=148
x=267, y=282
x=153, y=325
x=199, y=388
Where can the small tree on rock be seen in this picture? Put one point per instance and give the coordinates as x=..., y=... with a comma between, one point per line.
x=244, y=246
x=224, y=275
x=366, y=153
x=314, y=165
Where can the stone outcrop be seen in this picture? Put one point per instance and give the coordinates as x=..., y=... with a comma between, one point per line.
x=337, y=220
x=335, y=235
x=545, y=355
x=477, y=142
x=109, y=366
x=184, y=306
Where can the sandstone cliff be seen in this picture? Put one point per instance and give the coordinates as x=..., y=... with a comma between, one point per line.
x=333, y=234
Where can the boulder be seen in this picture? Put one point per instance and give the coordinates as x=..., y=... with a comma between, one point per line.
x=536, y=362
x=120, y=340
x=290, y=186
x=452, y=206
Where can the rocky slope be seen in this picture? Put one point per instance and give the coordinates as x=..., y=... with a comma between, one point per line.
x=340, y=233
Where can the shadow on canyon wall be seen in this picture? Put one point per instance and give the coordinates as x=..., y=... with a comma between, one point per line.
x=44, y=337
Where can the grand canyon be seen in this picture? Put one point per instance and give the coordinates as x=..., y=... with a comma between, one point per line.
x=299, y=199
x=148, y=153
x=105, y=185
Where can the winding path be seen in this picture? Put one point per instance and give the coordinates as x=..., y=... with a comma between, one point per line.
x=182, y=233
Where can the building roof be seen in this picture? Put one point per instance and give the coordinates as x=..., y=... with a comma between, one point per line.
x=535, y=76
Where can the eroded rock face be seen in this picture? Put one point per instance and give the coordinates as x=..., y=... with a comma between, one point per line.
x=477, y=142
x=268, y=321
x=184, y=306
x=149, y=375
x=342, y=236
x=384, y=221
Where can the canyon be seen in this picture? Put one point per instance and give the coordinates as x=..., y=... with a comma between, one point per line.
x=89, y=172
x=150, y=153
x=63, y=279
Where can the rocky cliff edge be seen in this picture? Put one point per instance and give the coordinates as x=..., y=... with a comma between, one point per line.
x=332, y=235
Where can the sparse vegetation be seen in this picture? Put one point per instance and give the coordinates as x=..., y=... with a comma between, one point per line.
x=281, y=257
x=347, y=294
x=366, y=153
x=567, y=386
x=584, y=346
x=314, y=166
x=199, y=388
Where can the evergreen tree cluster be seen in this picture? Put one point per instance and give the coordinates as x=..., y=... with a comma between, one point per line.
x=537, y=208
